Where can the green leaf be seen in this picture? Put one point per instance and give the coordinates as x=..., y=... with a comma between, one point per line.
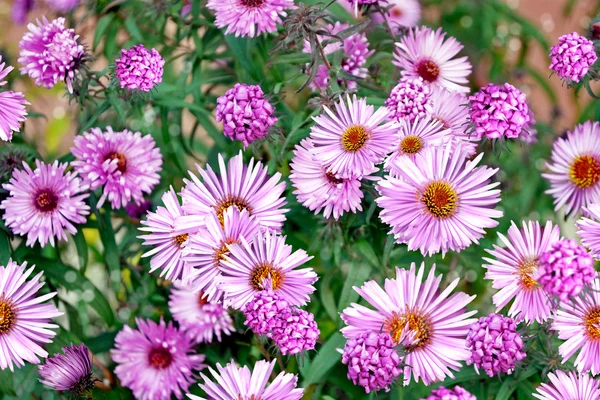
x=133, y=29
x=102, y=343
x=5, y=250
x=7, y=385
x=508, y=387
x=327, y=296
x=314, y=372
x=101, y=27
x=117, y=106
x=367, y=251
x=111, y=252
x=359, y=272
x=82, y=249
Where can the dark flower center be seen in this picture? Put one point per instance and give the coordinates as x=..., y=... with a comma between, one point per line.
x=7, y=316
x=440, y=199
x=46, y=201
x=411, y=144
x=354, y=138
x=240, y=203
x=121, y=163
x=84, y=384
x=396, y=12
x=333, y=179
x=252, y=3
x=585, y=171
x=428, y=70
x=160, y=358
x=202, y=299
x=262, y=272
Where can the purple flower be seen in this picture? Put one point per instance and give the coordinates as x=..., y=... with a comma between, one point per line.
x=458, y=393
x=139, y=68
x=401, y=14
x=24, y=318
x=372, y=360
x=589, y=229
x=495, y=345
x=571, y=385
x=12, y=107
x=245, y=113
x=572, y=57
x=20, y=10
x=409, y=99
x=71, y=372
x=51, y=53
x=565, y=268
x=297, y=331
x=155, y=361
x=125, y=163
x=137, y=211
x=44, y=203
x=264, y=311
x=498, y=112
x=63, y=6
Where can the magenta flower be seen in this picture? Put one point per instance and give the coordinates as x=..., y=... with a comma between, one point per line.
x=351, y=140
x=514, y=270
x=125, y=163
x=575, y=169
x=458, y=393
x=155, y=361
x=575, y=386
x=572, y=57
x=430, y=324
x=264, y=311
x=296, y=332
x=201, y=320
x=44, y=203
x=12, y=107
x=373, y=362
x=241, y=383
x=440, y=201
x=71, y=372
x=20, y=10
x=63, y=6
x=589, y=229
x=245, y=113
x=51, y=53
x=137, y=211
x=529, y=133
x=409, y=99
x=139, y=68
x=24, y=318
x=401, y=14
x=424, y=52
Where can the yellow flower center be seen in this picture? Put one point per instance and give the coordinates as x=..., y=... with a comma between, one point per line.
x=179, y=240
x=526, y=270
x=224, y=204
x=354, y=137
x=440, y=199
x=411, y=144
x=592, y=323
x=8, y=316
x=418, y=324
x=585, y=171
x=262, y=272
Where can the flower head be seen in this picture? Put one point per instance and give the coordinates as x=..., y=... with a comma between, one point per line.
x=125, y=163
x=296, y=332
x=12, y=107
x=24, y=318
x=51, y=53
x=155, y=361
x=20, y=10
x=12, y=158
x=63, y=6
x=576, y=386
x=409, y=99
x=71, y=372
x=572, y=57
x=458, y=393
x=44, y=203
x=264, y=311
x=589, y=229
x=137, y=211
x=139, y=68
x=401, y=14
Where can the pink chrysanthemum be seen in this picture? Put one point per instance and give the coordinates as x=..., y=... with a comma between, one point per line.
x=409, y=99
x=155, y=361
x=568, y=386
x=247, y=268
x=264, y=311
x=12, y=107
x=589, y=229
x=514, y=271
x=240, y=383
x=572, y=57
x=430, y=324
x=317, y=189
x=249, y=17
x=373, y=362
x=24, y=318
x=575, y=169
x=401, y=14
x=51, y=53
x=71, y=372
x=139, y=68
x=296, y=332
x=125, y=163
x=245, y=113
x=424, y=52
x=248, y=187
x=200, y=319
x=351, y=140
x=458, y=393
x=63, y=6
x=440, y=202
x=44, y=203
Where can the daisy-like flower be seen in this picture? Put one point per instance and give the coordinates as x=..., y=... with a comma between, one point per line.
x=575, y=169
x=125, y=163
x=514, y=270
x=570, y=386
x=24, y=318
x=320, y=190
x=248, y=187
x=206, y=250
x=430, y=324
x=249, y=17
x=424, y=52
x=12, y=107
x=199, y=318
x=44, y=203
x=572, y=57
x=589, y=229
x=71, y=372
x=440, y=202
x=401, y=14
x=266, y=263
x=241, y=383
x=155, y=361
x=351, y=140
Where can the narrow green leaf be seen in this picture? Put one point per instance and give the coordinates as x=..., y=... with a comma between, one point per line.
x=5, y=250
x=327, y=296
x=82, y=249
x=7, y=385
x=133, y=29
x=102, y=343
x=101, y=28
x=315, y=371
x=359, y=272
x=367, y=251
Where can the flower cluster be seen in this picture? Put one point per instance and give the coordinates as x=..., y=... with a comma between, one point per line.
x=409, y=99
x=139, y=68
x=458, y=393
x=572, y=57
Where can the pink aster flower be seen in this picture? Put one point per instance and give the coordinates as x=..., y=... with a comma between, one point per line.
x=351, y=140
x=248, y=187
x=575, y=169
x=249, y=17
x=296, y=332
x=458, y=393
x=572, y=57
x=430, y=324
x=24, y=318
x=241, y=383
x=424, y=52
x=12, y=107
x=409, y=99
x=125, y=163
x=155, y=361
x=589, y=229
x=401, y=14
x=51, y=53
x=139, y=68
x=71, y=372
x=200, y=319
x=441, y=201
x=514, y=270
x=248, y=267
x=569, y=386
x=245, y=113
x=320, y=190
x=44, y=203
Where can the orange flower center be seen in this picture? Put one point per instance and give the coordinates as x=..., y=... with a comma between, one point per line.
x=592, y=323
x=585, y=171
x=418, y=325
x=179, y=240
x=224, y=204
x=428, y=70
x=440, y=199
x=121, y=163
x=526, y=270
x=411, y=144
x=354, y=138
x=262, y=272
x=7, y=316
